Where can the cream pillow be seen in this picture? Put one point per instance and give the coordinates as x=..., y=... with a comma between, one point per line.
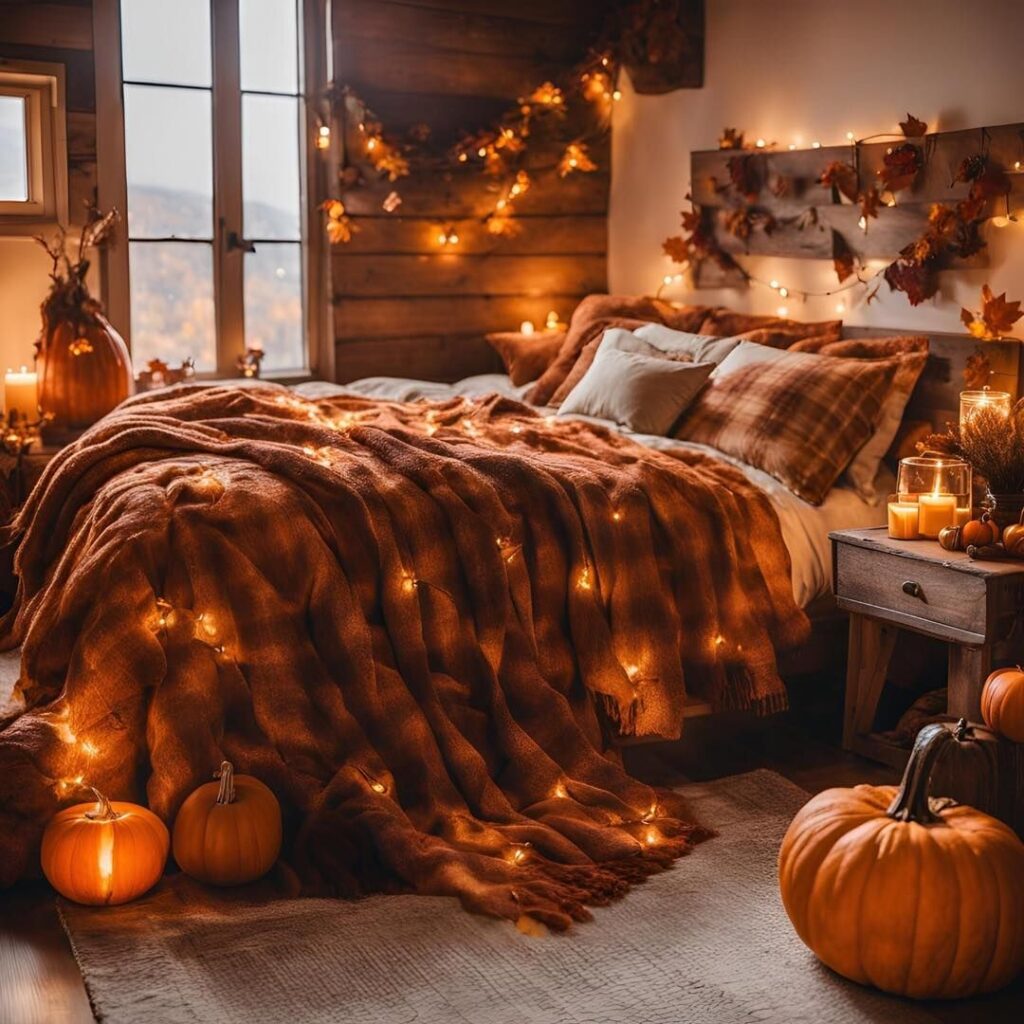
x=700, y=348
x=644, y=394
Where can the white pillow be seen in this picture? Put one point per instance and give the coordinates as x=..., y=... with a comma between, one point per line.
x=749, y=353
x=644, y=394
x=701, y=348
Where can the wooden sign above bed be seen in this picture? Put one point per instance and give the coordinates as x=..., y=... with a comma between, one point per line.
x=793, y=214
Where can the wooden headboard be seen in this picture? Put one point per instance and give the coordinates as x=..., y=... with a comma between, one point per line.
x=937, y=395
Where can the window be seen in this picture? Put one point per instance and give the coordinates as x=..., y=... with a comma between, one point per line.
x=220, y=256
x=33, y=147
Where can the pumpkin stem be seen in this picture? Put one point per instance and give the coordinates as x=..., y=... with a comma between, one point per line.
x=911, y=800
x=105, y=812
x=226, y=793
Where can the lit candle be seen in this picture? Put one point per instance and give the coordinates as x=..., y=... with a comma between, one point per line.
x=972, y=401
x=20, y=394
x=526, y=327
x=963, y=516
x=937, y=511
x=903, y=517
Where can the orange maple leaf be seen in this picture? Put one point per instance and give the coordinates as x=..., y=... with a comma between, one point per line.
x=913, y=128
x=676, y=248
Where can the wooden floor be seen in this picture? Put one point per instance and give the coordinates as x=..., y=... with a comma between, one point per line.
x=40, y=982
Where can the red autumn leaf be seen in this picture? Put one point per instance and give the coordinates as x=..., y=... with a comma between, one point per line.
x=843, y=258
x=870, y=200
x=913, y=128
x=676, y=248
x=916, y=280
x=977, y=371
x=971, y=168
x=990, y=183
x=901, y=166
x=966, y=317
x=744, y=176
x=731, y=138
x=997, y=314
x=842, y=177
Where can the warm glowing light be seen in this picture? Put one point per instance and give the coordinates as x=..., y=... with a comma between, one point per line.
x=89, y=748
x=482, y=151
x=651, y=836
x=815, y=145
x=773, y=284
x=862, y=223
x=526, y=327
x=105, y=864
x=840, y=307
x=560, y=792
x=850, y=136
x=323, y=137
x=378, y=787
x=516, y=429
x=1000, y=222
x=632, y=671
x=760, y=143
x=1016, y=165
x=518, y=854
x=551, y=322
x=409, y=584
x=784, y=292
x=463, y=157
x=617, y=517
x=782, y=311
x=371, y=144
x=792, y=145
x=583, y=583
x=447, y=236
x=617, y=95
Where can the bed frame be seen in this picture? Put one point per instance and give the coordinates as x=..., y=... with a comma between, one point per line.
x=936, y=400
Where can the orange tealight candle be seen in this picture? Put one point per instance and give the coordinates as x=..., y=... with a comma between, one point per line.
x=937, y=512
x=903, y=520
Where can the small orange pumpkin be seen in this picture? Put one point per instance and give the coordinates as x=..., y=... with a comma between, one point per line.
x=1002, y=703
x=1013, y=538
x=104, y=853
x=228, y=833
x=980, y=531
x=892, y=889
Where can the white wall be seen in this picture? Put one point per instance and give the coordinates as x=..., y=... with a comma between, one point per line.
x=24, y=276
x=804, y=70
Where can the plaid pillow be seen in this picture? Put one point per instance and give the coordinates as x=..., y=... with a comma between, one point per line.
x=774, y=331
x=801, y=418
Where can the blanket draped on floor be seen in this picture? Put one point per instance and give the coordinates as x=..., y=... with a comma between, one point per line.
x=410, y=621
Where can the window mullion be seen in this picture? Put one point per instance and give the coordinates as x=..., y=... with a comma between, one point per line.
x=228, y=262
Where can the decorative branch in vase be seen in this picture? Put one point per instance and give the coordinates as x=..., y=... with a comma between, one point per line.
x=83, y=363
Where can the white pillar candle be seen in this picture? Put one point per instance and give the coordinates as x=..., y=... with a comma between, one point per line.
x=937, y=511
x=526, y=327
x=20, y=394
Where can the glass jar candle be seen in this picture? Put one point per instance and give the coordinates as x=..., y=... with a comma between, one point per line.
x=986, y=398
x=940, y=486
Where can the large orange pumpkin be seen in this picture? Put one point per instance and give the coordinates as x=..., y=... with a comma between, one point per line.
x=1002, y=702
x=228, y=833
x=895, y=890
x=104, y=853
x=84, y=372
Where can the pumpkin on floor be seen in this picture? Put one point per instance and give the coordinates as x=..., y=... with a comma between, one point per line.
x=1002, y=703
x=105, y=852
x=228, y=832
x=915, y=896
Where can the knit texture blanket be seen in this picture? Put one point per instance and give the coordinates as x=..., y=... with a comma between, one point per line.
x=413, y=622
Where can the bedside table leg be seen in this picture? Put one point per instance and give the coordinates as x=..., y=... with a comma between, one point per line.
x=968, y=669
x=871, y=646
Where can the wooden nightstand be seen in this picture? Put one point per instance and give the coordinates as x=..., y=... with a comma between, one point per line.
x=888, y=585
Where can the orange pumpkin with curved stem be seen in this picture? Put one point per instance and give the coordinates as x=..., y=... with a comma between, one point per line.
x=1002, y=703
x=228, y=832
x=104, y=853
x=892, y=889
x=979, y=532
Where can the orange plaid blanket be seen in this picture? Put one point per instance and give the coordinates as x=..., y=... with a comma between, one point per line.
x=411, y=621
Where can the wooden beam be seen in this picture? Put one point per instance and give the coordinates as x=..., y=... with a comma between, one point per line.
x=63, y=26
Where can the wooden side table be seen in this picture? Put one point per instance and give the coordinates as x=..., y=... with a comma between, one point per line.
x=887, y=585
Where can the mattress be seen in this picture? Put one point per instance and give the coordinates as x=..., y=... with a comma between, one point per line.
x=805, y=527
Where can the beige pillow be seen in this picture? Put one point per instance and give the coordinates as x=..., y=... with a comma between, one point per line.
x=644, y=394
x=799, y=417
x=700, y=348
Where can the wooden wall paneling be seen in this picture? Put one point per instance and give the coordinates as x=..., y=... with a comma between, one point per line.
x=894, y=227
x=404, y=306
x=59, y=26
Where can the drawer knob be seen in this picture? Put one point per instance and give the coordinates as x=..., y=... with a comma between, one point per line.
x=913, y=589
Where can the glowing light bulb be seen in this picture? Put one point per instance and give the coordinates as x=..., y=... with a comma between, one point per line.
x=551, y=322
x=773, y=284
x=409, y=584
x=482, y=151
x=516, y=429
x=632, y=671
x=840, y=307
x=784, y=292
x=863, y=223
x=760, y=143
x=378, y=787
x=782, y=311
x=815, y=145
x=616, y=517
x=617, y=95
x=850, y=136
x=1016, y=165
x=560, y=792
x=1000, y=222
x=323, y=137
x=526, y=327
x=792, y=145
x=371, y=144
x=651, y=836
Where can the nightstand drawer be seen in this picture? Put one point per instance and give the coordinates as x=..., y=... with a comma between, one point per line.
x=898, y=587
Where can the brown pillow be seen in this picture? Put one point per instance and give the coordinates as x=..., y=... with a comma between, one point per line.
x=800, y=418
x=593, y=316
x=775, y=331
x=865, y=348
x=526, y=356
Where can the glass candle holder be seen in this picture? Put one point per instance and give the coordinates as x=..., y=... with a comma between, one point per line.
x=940, y=487
x=986, y=398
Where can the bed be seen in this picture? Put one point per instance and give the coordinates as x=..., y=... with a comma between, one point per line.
x=414, y=620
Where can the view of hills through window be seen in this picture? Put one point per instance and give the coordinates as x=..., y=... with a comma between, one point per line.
x=171, y=146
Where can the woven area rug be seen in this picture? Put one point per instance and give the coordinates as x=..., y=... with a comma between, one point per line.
x=705, y=942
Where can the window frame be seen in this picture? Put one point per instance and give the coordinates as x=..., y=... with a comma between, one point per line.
x=228, y=260
x=42, y=86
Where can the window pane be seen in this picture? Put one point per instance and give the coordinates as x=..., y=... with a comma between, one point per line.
x=172, y=303
x=168, y=154
x=268, y=42
x=273, y=304
x=166, y=41
x=13, y=150
x=270, y=167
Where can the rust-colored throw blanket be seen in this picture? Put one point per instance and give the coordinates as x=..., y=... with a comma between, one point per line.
x=405, y=619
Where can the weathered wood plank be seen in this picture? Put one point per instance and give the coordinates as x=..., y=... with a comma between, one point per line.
x=450, y=274
x=82, y=183
x=63, y=26
x=562, y=12
x=81, y=136
x=452, y=195
x=393, y=317
x=587, y=234
x=443, y=358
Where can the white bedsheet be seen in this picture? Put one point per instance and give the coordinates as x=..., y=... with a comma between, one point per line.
x=805, y=527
